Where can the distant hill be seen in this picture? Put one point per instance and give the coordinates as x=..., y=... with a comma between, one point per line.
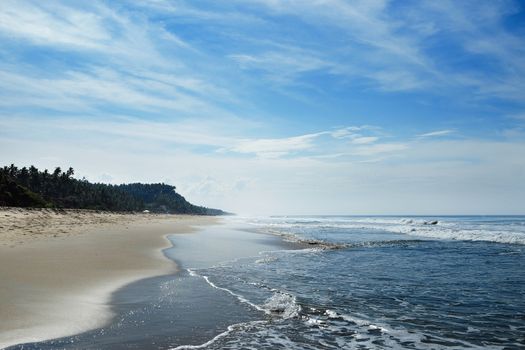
x=30, y=187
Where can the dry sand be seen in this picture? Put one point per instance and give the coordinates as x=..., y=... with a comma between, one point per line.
x=58, y=269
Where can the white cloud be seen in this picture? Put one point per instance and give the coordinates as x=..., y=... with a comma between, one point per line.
x=392, y=46
x=345, y=132
x=437, y=133
x=394, y=61
x=191, y=132
x=100, y=86
x=392, y=80
x=127, y=62
x=53, y=24
x=449, y=177
x=286, y=65
x=364, y=140
x=380, y=148
x=316, y=145
x=275, y=147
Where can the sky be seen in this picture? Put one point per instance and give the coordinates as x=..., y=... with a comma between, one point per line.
x=268, y=107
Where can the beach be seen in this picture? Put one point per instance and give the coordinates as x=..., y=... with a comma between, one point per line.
x=330, y=282
x=59, y=268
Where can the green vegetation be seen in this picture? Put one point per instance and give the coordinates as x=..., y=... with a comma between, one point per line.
x=29, y=187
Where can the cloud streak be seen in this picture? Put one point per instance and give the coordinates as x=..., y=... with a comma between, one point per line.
x=53, y=24
x=436, y=133
x=431, y=177
x=390, y=46
x=192, y=132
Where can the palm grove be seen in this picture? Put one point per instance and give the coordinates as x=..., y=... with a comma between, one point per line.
x=30, y=187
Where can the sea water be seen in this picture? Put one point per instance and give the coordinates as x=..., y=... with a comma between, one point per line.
x=377, y=283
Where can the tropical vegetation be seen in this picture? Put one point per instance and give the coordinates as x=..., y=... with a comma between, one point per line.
x=30, y=187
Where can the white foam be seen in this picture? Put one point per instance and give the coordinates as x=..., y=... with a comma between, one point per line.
x=358, y=321
x=469, y=235
x=356, y=330
x=392, y=337
x=238, y=296
x=230, y=329
x=282, y=304
x=266, y=260
x=512, y=233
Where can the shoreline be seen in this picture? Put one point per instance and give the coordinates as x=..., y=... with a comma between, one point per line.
x=181, y=310
x=53, y=262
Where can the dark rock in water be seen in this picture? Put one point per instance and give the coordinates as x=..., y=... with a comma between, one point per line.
x=277, y=310
x=434, y=222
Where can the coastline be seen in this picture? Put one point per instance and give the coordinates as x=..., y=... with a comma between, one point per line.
x=181, y=310
x=59, y=269
x=239, y=287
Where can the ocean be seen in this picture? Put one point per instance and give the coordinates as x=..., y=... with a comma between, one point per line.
x=329, y=282
x=380, y=283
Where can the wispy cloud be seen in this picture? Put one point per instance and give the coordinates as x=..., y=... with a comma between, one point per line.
x=368, y=35
x=319, y=145
x=456, y=175
x=53, y=24
x=436, y=133
x=190, y=133
x=380, y=148
x=347, y=132
x=128, y=62
x=378, y=45
x=391, y=45
x=287, y=64
x=100, y=87
x=364, y=140
x=271, y=148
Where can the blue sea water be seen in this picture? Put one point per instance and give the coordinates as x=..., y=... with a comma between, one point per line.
x=377, y=283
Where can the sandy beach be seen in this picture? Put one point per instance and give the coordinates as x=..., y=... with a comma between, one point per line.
x=58, y=269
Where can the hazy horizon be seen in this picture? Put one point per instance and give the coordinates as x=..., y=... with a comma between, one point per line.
x=268, y=107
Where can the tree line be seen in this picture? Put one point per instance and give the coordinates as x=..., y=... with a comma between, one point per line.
x=30, y=187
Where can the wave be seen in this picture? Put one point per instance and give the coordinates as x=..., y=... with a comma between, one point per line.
x=230, y=329
x=332, y=330
x=330, y=327
x=391, y=337
x=313, y=244
x=281, y=304
x=471, y=235
x=237, y=296
x=293, y=231
x=318, y=245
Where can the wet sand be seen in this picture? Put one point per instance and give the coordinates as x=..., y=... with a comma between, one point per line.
x=180, y=309
x=58, y=269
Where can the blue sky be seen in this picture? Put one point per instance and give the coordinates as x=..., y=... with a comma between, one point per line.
x=275, y=107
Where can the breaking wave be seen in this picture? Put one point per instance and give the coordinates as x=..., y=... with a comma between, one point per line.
x=510, y=231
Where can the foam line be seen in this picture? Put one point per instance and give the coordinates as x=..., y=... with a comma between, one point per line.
x=230, y=329
x=239, y=297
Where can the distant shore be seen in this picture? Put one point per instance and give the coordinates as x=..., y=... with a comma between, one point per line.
x=59, y=268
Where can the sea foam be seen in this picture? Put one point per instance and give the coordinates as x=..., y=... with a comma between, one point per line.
x=430, y=228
